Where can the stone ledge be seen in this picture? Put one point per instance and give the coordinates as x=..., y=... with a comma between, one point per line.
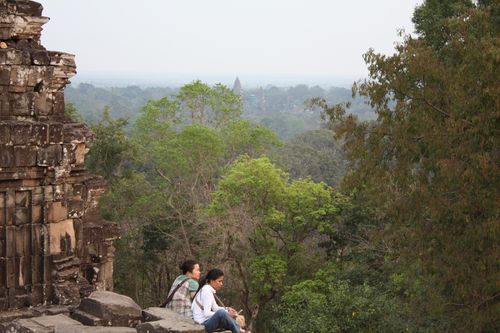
x=58, y=324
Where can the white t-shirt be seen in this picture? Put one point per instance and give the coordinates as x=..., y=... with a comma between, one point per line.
x=206, y=298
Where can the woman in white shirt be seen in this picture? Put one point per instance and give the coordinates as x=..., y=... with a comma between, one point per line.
x=205, y=309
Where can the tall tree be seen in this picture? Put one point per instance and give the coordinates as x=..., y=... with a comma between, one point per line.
x=430, y=19
x=429, y=164
x=264, y=228
x=111, y=148
x=209, y=106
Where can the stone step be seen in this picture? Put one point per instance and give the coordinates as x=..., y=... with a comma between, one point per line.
x=44, y=324
x=112, y=309
x=86, y=318
x=96, y=329
x=168, y=326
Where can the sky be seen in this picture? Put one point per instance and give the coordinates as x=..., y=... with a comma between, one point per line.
x=260, y=41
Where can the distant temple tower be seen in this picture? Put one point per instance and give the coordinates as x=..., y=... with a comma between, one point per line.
x=237, y=87
x=54, y=247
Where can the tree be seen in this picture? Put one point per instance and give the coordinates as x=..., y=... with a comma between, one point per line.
x=429, y=164
x=327, y=303
x=266, y=227
x=71, y=112
x=430, y=19
x=314, y=154
x=208, y=106
x=244, y=138
x=110, y=149
x=176, y=166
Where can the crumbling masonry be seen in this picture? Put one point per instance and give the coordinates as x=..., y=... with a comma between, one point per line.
x=54, y=248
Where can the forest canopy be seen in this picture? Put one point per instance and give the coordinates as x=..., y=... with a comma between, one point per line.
x=386, y=223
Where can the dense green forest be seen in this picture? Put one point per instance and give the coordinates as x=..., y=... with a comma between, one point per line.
x=281, y=109
x=343, y=223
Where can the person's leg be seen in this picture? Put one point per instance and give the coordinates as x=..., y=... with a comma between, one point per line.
x=221, y=319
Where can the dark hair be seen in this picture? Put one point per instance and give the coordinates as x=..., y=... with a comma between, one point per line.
x=212, y=275
x=188, y=266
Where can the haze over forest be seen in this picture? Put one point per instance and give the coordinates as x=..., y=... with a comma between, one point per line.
x=275, y=42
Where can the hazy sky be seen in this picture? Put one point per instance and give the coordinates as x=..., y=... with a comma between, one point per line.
x=225, y=38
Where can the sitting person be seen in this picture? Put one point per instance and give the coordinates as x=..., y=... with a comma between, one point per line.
x=205, y=309
x=183, y=289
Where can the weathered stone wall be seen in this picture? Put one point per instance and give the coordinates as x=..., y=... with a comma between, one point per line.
x=54, y=247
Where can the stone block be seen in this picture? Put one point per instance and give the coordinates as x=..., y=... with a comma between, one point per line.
x=22, y=216
x=15, y=57
x=101, y=329
x=167, y=326
x=58, y=103
x=37, y=195
x=96, y=329
x=37, y=240
x=49, y=156
x=81, y=150
x=24, y=44
x=43, y=103
x=20, y=133
x=62, y=59
x=6, y=156
x=4, y=134
x=10, y=269
x=36, y=75
x=48, y=193
x=77, y=133
x=23, y=199
x=8, y=317
x=37, y=273
x=66, y=292
x=76, y=208
x=20, y=104
x=86, y=318
x=62, y=237
x=51, y=310
x=59, y=192
x=44, y=324
x=4, y=104
x=11, y=57
x=22, y=243
x=25, y=156
x=2, y=253
x=55, y=133
x=10, y=200
x=36, y=214
x=37, y=290
x=40, y=57
x=39, y=134
x=56, y=212
x=29, y=8
x=115, y=309
x=19, y=77
x=9, y=216
x=4, y=75
x=157, y=313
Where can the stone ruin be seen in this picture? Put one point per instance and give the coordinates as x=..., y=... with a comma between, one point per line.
x=54, y=247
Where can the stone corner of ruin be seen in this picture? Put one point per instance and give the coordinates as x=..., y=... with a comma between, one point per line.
x=54, y=246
